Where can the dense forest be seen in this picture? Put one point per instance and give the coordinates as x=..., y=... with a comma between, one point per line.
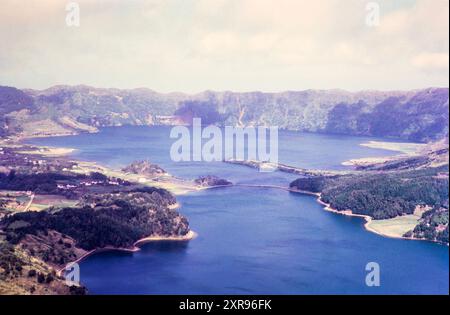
x=116, y=220
x=381, y=195
x=385, y=195
x=10, y=263
x=433, y=225
x=394, y=116
x=39, y=183
x=207, y=111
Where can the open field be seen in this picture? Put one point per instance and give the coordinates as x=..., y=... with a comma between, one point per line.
x=15, y=201
x=41, y=202
x=398, y=226
x=19, y=201
x=395, y=227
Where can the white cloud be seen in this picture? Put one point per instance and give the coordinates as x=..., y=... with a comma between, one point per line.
x=431, y=61
x=193, y=45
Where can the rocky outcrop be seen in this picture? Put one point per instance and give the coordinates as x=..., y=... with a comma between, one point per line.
x=144, y=168
x=210, y=181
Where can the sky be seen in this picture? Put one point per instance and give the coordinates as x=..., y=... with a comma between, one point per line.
x=239, y=45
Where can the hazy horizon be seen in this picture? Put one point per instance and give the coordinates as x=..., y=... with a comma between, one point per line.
x=227, y=45
x=231, y=91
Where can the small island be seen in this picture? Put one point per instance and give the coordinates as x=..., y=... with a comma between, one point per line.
x=211, y=181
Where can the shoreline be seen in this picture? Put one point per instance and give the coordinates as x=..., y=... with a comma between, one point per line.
x=183, y=238
x=406, y=148
x=327, y=207
x=402, y=149
x=368, y=219
x=178, y=189
x=49, y=151
x=64, y=152
x=171, y=183
x=135, y=247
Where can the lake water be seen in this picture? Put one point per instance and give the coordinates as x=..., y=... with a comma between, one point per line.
x=253, y=240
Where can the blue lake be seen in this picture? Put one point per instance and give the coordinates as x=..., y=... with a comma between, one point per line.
x=253, y=240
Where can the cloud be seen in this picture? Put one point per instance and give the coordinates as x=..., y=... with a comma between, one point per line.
x=192, y=45
x=431, y=61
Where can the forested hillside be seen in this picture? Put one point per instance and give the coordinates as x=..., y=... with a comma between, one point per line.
x=419, y=115
x=385, y=195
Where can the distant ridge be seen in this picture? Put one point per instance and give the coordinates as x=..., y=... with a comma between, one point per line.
x=416, y=115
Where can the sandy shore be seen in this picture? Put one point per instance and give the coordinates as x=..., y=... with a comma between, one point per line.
x=189, y=236
x=171, y=183
x=174, y=206
x=175, y=185
x=49, y=151
x=369, y=161
x=404, y=150
x=403, y=147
